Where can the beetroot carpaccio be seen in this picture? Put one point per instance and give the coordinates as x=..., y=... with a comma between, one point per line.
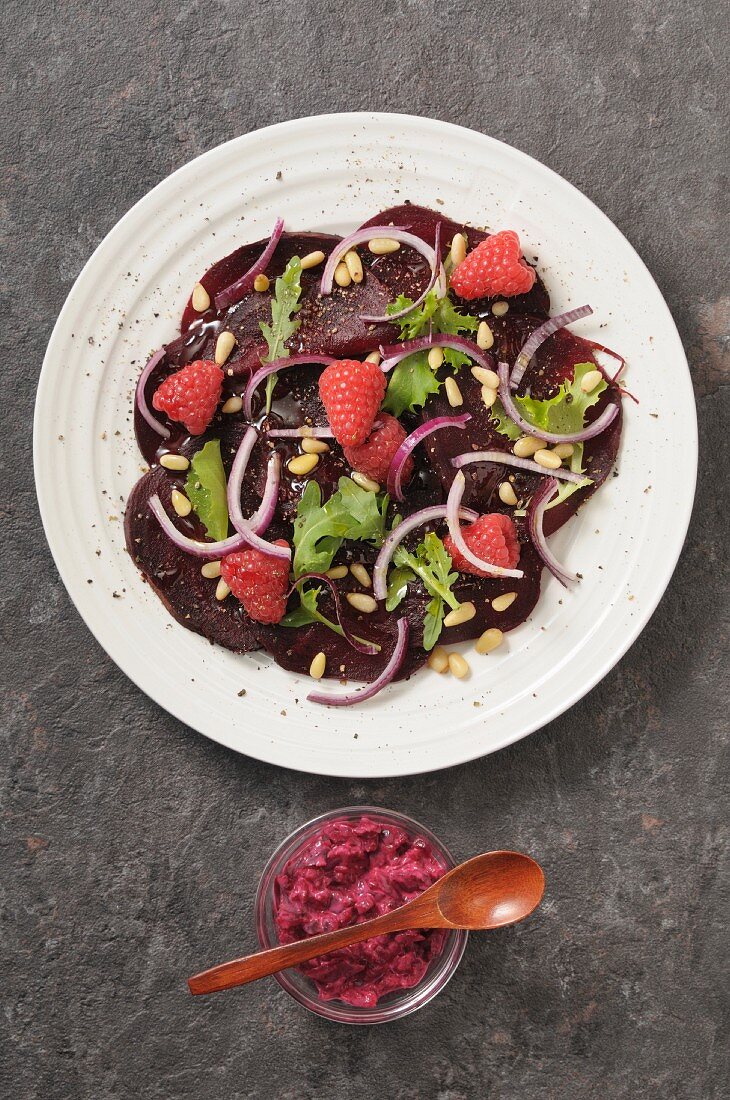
x=378, y=461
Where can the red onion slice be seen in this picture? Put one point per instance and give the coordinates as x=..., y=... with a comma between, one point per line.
x=371, y=233
x=396, y=536
x=393, y=353
x=599, y=425
x=304, y=432
x=535, y=512
x=410, y=443
x=453, y=510
x=233, y=293
x=437, y=274
x=192, y=546
x=145, y=411
x=512, y=460
x=245, y=527
x=272, y=368
x=361, y=647
x=351, y=698
x=540, y=335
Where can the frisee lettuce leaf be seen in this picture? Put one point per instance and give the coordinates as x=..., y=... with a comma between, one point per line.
x=567, y=488
x=284, y=306
x=308, y=612
x=503, y=424
x=320, y=529
x=409, y=384
x=206, y=489
x=432, y=563
x=565, y=412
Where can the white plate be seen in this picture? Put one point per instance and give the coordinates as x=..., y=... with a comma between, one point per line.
x=336, y=171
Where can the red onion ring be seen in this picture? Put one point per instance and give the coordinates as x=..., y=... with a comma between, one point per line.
x=599, y=425
x=453, y=509
x=437, y=273
x=373, y=233
x=410, y=443
x=264, y=515
x=304, y=432
x=351, y=698
x=361, y=647
x=393, y=353
x=235, y=292
x=396, y=536
x=503, y=459
x=535, y=513
x=145, y=411
x=538, y=337
x=192, y=546
x=272, y=368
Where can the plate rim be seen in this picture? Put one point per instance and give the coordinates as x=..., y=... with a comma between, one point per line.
x=55, y=541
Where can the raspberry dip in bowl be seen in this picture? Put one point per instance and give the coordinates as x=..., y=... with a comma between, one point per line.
x=342, y=868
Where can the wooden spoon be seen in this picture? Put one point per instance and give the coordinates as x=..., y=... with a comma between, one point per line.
x=488, y=891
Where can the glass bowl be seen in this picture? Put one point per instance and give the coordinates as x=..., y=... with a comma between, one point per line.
x=393, y=1005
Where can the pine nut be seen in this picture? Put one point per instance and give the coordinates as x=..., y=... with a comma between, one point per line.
x=461, y=614
x=501, y=603
x=489, y=396
x=507, y=494
x=261, y=283
x=361, y=574
x=222, y=591
x=342, y=275
x=373, y=357
x=486, y=377
x=337, y=572
x=354, y=266
x=453, y=393
x=364, y=482
x=489, y=640
x=548, y=459
x=485, y=336
x=564, y=450
x=174, y=462
x=180, y=503
x=526, y=447
x=211, y=570
x=224, y=345
x=317, y=667
x=200, y=298
x=458, y=249
x=381, y=246
x=438, y=659
x=362, y=602
x=312, y=259
x=458, y=666
x=590, y=381
x=302, y=464
x=315, y=446
x=232, y=405
x=435, y=358
x=500, y=308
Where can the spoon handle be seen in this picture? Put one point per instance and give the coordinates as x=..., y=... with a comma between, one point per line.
x=252, y=967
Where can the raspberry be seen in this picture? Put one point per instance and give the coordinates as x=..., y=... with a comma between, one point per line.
x=492, y=537
x=374, y=456
x=191, y=395
x=259, y=581
x=351, y=393
x=495, y=267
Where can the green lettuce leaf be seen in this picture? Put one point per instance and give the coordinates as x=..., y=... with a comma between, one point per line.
x=284, y=306
x=565, y=412
x=432, y=563
x=320, y=529
x=409, y=384
x=503, y=424
x=567, y=488
x=206, y=489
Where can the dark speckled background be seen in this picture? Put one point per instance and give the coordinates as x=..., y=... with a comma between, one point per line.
x=130, y=848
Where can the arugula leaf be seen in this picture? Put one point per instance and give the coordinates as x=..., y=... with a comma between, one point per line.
x=284, y=306
x=433, y=565
x=398, y=581
x=409, y=384
x=308, y=612
x=433, y=622
x=320, y=529
x=206, y=489
x=565, y=412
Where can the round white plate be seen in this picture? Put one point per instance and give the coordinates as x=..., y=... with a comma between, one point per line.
x=331, y=173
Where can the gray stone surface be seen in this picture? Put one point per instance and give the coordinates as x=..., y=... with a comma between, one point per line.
x=130, y=847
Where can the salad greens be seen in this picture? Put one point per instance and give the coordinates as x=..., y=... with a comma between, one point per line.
x=284, y=307
x=431, y=562
x=564, y=413
x=206, y=489
x=308, y=612
x=320, y=529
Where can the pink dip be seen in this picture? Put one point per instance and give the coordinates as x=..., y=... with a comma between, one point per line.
x=349, y=872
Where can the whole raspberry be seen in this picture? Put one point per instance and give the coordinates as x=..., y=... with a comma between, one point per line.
x=495, y=267
x=351, y=393
x=259, y=581
x=492, y=537
x=191, y=395
x=374, y=456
